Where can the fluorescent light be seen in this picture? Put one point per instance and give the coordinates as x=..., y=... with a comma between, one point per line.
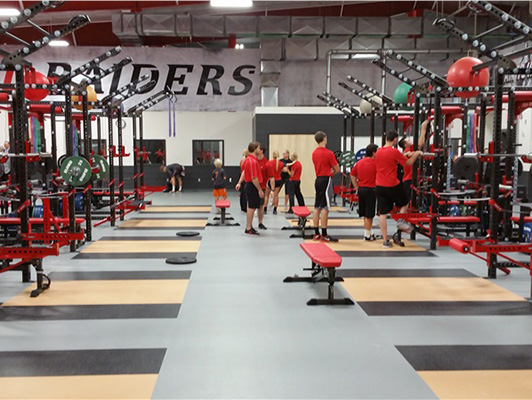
x=239, y=46
x=59, y=43
x=9, y=12
x=365, y=56
x=231, y=3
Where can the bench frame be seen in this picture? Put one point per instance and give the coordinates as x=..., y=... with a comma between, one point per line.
x=223, y=218
x=318, y=274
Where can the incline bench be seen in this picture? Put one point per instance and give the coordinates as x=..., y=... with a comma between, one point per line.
x=323, y=259
x=223, y=205
x=302, y=213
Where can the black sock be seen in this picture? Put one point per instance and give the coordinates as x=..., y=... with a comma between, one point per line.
x=274, y=208
x=317, y=231
x=324, y=231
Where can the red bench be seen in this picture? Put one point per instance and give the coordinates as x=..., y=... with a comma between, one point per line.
x=223, y=205
x=323, y=259
x=302, y=213
x=37, y=221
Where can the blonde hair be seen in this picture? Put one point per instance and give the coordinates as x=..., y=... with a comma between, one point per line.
x=275, y=156
x=294, y=156
x=218, y=163
x=245, y=153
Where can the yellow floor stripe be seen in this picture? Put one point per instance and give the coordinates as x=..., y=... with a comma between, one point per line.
x=476, y=385
x=336, y=222
x=135, y=386
x=62, y=293
x=426, y=289
x=144, y=246
x=163, y=223
x=177, y=209
x=362, y=245
x=311, y=208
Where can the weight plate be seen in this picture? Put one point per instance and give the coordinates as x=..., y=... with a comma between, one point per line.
x=187, y=233
x=101, y=163
x=347, y=159
x=76, y=171
x=61, y=159
x=181, y=260
x=360, y=154
x=465, y=168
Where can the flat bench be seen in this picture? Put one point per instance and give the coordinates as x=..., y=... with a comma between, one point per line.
x=323, y=258
x=302, y=213
x=223, y=205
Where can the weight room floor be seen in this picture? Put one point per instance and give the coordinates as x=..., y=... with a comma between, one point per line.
x=128, y=325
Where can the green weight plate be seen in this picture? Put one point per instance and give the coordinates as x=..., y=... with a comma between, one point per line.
x=76, y=171
x=347, y=159
x=101, y=163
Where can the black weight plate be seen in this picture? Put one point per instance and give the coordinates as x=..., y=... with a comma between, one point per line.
x=465, y=168
x=61, y=159
x=187, y=233
x=181, y=260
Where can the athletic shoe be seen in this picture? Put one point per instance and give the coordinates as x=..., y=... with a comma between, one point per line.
x=387, y=244
x=261, y=226
x=404, y=226
x=290, y=211
x=316, y=237
x=166, y=191
x=251, y=232
x=328, y=239
x=370, y=238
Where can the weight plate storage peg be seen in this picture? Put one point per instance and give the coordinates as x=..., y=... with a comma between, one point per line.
x=76, y=171
x=101, y=163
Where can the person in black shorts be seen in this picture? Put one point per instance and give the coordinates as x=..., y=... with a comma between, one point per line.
x=173, y=172
x=325, y=166
x=285, y=176
x=363, y=176
x=389, y=190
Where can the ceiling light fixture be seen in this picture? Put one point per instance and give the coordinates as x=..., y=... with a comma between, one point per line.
x=9, y=12
x=239, y=46
x=231, y=3
x=59, y=43
x=365, y=56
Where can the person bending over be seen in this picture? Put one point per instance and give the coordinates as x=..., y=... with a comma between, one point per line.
x=294, y=185
x=363, y=176
x=326, y=167
x=390, y=192
x=252, y=176
x=218, y=179
x=173, y=172
x=407, y=147
x=275, y=168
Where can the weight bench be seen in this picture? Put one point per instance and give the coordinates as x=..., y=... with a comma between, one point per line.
x=223, y=205
x=302, y=213
x=323, y=258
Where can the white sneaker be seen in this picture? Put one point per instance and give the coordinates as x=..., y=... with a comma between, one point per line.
x=180, y=188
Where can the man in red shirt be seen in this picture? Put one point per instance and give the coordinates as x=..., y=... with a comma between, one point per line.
x=326, y=166
x=294, y=170
x=363, y=176
x=252, y=175
x=389, y=190
x=407, y=147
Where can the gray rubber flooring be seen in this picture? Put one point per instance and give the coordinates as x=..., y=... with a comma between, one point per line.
x=242, y=333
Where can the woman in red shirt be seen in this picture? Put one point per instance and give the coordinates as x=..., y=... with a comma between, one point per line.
x=275, y=168
x=243, y=199
x=294, y=169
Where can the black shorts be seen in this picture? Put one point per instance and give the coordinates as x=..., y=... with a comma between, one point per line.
x=407, y=186
x=387, y=197
x=278, y=184
x=367, y=200
x=324, y=192
x=252, y=194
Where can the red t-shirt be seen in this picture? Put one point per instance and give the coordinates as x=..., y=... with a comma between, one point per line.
x=386, y=160
x=324, y=160
x=263, y=165
x=296, y=168
x=366, y=172
x=407, y=176
x=251, y=169
x=273, y=171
